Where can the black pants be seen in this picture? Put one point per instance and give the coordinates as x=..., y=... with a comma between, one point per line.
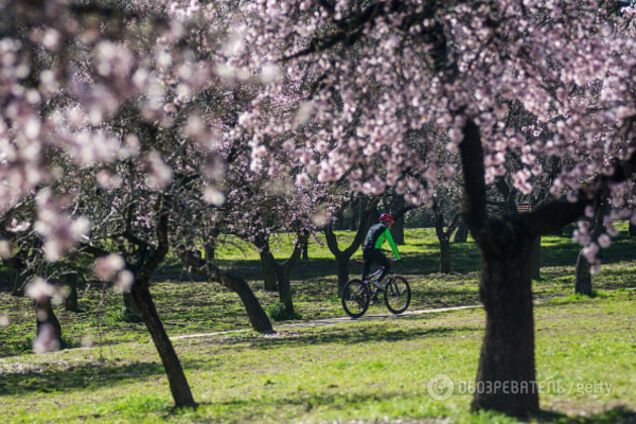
x=375, y=256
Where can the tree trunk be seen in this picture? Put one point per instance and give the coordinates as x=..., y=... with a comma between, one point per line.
x=398, y=231
x=14, y=267
x=48, y=328
x=356, y=212
x=210, y=252
x=506, y=374
x=305, y=248
x=70, y=281
x=176, y=377
x=632, y=229
x=397, y=205
x=284, y=291
x=258, y=318
x=444, y=256
x=342, y=265
x=461, y=235
x=583, y=284
x=268, y=262
x=535, y=258
x=130, y=313
x=16, y=281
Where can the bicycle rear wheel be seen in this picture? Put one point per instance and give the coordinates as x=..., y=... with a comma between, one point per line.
x=355, y=298
x=397, y=295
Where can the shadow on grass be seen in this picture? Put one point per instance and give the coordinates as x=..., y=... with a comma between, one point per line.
x=251, y=409
x=345, y=336
x=465, y=257
x=86, y=376
x=617, y=415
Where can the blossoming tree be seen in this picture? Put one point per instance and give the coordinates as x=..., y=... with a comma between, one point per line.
x=368, y=72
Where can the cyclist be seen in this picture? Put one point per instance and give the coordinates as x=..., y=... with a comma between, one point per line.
x=373, y=241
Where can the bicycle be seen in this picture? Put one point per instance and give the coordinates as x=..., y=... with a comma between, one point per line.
x=356, y=295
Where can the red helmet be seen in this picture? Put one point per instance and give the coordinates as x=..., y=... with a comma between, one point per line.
x=386, y=217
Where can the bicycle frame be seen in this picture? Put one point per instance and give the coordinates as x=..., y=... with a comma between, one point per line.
x=375, y=274
x=375, y=290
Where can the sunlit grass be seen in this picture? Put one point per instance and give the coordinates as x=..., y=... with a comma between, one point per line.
x=365, y=371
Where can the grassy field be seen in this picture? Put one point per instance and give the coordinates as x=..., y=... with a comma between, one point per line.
x=367, y=370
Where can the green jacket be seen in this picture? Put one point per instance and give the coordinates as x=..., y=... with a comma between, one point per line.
x=376, y=237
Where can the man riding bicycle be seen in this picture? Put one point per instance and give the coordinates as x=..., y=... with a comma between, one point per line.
x=375, y=238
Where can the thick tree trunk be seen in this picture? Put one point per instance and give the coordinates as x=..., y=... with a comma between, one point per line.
x=342, y=264
x=268, y=262
x=179, y=387
x=535, y=258
x=506, y=374
x=444, y=256
x=461, y=235
x=284, y=291
x=583, y=283
x=48, y=328
x=258, y=318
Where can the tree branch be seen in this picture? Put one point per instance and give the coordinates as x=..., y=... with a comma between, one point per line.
x=553, y=215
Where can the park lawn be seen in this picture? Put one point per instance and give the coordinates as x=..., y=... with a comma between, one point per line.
x=200, y=307
x=365, y=370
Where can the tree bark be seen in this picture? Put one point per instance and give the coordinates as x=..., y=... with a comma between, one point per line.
x=148, y=260
x=305, y=247
x=583, y=283
x=130, y=313
x=283, y=272
x=47, y=321
x=17, y=282
x=535, y=258
x=444, y=256
x=342, y=265
x=70, y=280
x=507, y=355
x=398, y=231
x=461, y=235
x=443, y=237
x=179, y=386
x=258, y=318
x=210, y=252
x=14, y=268
x=268, y=263
x=398, y=228
x=284, y=291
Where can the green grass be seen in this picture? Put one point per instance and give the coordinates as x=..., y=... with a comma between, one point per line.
x=364, y=370
x=193, y=307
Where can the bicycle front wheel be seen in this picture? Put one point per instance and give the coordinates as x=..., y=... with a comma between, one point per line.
x=355, y=298
x=397, y=295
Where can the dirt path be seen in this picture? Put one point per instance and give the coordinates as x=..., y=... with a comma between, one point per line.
x=333, y=321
